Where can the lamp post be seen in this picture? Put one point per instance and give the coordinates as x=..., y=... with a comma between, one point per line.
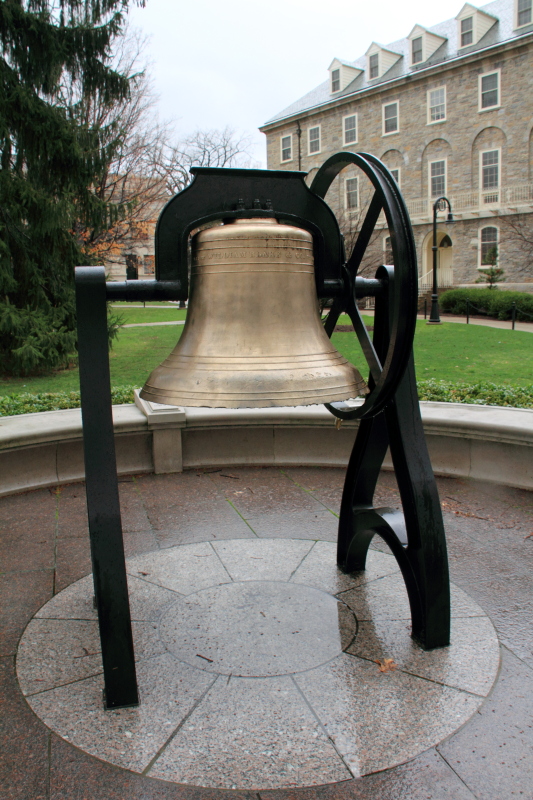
x=434, y=318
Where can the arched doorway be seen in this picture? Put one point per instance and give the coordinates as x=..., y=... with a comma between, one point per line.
x=444, y=261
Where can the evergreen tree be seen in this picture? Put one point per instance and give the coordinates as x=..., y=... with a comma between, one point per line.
x=56, y=54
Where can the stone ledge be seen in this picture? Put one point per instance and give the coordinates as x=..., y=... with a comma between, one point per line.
x=45, y=449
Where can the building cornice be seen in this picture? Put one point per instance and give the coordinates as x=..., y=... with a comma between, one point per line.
x=423, y=72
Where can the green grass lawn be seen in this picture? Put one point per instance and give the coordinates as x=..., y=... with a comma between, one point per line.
x=131, y=315
x=461, y=353
x=451, y=351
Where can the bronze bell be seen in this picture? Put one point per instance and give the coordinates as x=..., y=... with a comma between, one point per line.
x=253, y=336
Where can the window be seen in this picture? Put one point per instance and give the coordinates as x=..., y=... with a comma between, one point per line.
x=335, y=80
x=286, y=147
x=437, y=105
x=351, y=193
x=488, y=251
x=132, y=266
x=467, y=31
x=437, y=178
x=314, y=140
x=390, y=118
x=525, y=12
x=373, y=65
x=388, y=257
x=149, y=265
x=489, y=90
x=490, y=175
x=416, y=50
x=396, y=175
x=350, y=129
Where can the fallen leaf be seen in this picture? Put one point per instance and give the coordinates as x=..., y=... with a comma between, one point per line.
x=338, y=423
x=387, y=665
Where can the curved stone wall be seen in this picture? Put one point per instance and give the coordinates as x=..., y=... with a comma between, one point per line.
x=36, y=450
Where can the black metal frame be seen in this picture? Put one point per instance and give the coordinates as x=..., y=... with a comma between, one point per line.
x=389, y=416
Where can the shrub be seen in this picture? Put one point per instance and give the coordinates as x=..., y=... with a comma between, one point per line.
x=437, y=391
x=488, y=301
x=27, y=403
x=486, y=394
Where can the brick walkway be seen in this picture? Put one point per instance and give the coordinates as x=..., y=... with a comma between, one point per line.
x=44, y=547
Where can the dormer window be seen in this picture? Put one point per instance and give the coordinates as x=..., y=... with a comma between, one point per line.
x=467, y=31
x=341, y=74
x=472, y=25
x=379, y=60
x=423, y=44
x=416, y=50
x=524, y=12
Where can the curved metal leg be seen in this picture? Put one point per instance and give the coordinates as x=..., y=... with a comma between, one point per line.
x=416, y=535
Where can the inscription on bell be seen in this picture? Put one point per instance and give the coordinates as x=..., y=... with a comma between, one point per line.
x=289, y=254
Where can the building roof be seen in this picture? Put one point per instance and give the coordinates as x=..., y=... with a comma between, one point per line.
x=503, y=30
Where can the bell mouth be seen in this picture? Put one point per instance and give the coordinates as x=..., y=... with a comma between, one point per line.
x=258, y=386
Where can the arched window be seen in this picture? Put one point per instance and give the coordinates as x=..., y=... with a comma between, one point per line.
x=488, y=251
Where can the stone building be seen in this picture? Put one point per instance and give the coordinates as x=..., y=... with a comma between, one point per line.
x=449, y=109
x=127, y=249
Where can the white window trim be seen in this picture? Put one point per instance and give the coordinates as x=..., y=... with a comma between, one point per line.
x=399, y=171
x=459, y=32
x=485, y=75
x=525, y=25
x=348, y=116
x=282, y=137
x=483, y=191
x=479, y=254
x=312, y=128
x=378, y=54
x=437, y=121
x=390, y=103
x=354, y=209
x=335, y=91
x=422, y=37
x=438, y=161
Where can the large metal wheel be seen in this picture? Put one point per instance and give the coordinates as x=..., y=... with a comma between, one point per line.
x=388, y=353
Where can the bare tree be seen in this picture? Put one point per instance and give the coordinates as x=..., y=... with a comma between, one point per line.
x=517, y=230
x=146, y=165
x=211, y=148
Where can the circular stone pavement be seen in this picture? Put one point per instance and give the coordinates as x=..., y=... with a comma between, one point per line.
x=258, y=666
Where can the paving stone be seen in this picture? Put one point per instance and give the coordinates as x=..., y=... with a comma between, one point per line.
x=426, y=777
x=493, y=754
x=21, y=596
x=273, y=492
x=490, y=558
x=316, y=524
x=23, y=743
x=73, y=561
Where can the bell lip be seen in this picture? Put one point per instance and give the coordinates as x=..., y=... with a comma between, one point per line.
x=264, y=402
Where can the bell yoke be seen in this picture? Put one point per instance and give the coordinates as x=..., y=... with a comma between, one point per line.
x=262, y=247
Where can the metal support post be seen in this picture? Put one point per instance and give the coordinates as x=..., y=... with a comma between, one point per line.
x=105, y=527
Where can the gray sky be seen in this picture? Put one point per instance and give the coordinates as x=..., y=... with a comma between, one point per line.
x=238, y=63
